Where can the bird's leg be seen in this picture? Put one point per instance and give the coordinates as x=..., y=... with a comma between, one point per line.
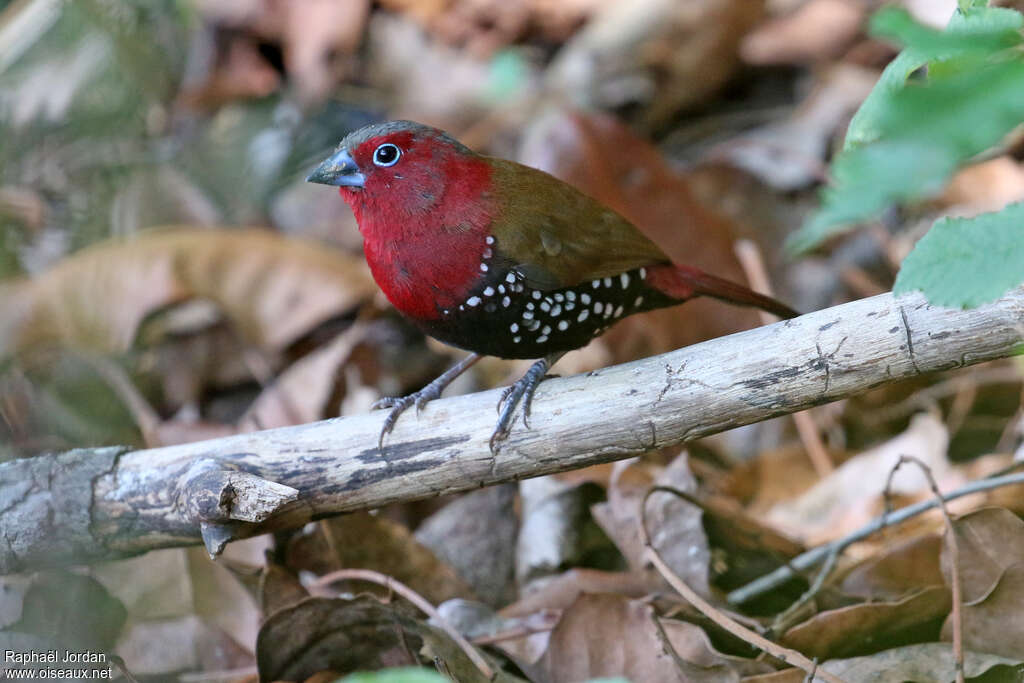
x=398, y=404
x=521, y=392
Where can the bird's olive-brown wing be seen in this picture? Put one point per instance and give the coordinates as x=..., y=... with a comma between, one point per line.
x=556, y=236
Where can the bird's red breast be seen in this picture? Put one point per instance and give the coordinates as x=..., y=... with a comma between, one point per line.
x=425, y=224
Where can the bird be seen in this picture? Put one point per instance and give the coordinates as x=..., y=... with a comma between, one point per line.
x=498, y=258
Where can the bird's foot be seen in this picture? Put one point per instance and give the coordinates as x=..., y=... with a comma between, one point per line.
x=520, y=392
x=399, y=404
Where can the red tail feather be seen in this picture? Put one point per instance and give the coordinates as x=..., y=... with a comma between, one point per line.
x=683, y=282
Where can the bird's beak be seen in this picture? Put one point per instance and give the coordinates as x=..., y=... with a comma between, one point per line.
x=338, y=169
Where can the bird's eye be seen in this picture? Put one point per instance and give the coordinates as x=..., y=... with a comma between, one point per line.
x=386, y=155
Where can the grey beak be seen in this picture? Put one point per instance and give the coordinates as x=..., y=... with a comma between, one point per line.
x=338, y=169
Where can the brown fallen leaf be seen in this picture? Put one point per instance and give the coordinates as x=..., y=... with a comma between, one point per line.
x=896, y=571
x=817, y=30
x=476, y=535
x=861, y=629
x=995, y=623
x=675, y=525
x=851, y=495
x=610, y=635
x=272, y=288
x=341, y=635
x=986, y=186
x=924, y=662
x=664, y=54
x=366, y=541
x=993, y=539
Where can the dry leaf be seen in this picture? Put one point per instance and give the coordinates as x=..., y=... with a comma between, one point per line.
x=861, y=629
x=986, y=186
x=996, y=622
x=663, y=54
x=817, y=30
x=610, y=635
x=272, y=288
x=476, y=535
x=320, y=634
x=925, y=662
x=896, y=571
x=366, y=541
x=850, y=496
x=990, y=540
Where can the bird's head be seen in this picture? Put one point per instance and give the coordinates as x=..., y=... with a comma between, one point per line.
x=395, y=161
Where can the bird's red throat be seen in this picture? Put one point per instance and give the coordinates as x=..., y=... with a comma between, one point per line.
x=425, y=230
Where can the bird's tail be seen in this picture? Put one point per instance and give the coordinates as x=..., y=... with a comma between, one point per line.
x=684, y=282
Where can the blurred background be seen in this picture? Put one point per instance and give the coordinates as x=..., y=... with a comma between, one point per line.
x=164, y=276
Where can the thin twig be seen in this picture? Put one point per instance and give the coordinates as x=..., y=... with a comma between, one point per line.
x=788, y=618
x=954, y=556
x=416, y=599
x=716, y=615
x=815, y=555
x=757, y=275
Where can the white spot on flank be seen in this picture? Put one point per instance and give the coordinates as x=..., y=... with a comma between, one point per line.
x=595, y=283
x=608, y=311
x=483, y=267
x=533, y=325
x=510, y=278
x=598, y=307
x=570, y=295
x=643, y=273
x=462, y=308
x=542, y=338
x=514, y=327
x=556, y=310
x=529, y=305
x=583, y=315
x=505, y=301
x=446, y=311
x=563, y=325
x=472, y=301
x=488, y=253
x=518, y=288
x=489, y=291
x=545, y=306
x=559, y=296
x=536, y=294
x=527, y=315
x=585, y=298
x=607, y=282
x=569, y=305
x=501, y=288
x=490, y=239
x=517, y=339
x=546, y=330
x=618, y=312
x=625, y=280
x=639, y=300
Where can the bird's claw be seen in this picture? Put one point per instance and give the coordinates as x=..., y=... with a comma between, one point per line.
x=399, y=404
x=520, y=392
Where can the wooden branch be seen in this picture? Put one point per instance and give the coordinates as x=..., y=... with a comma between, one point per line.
x=89, y=505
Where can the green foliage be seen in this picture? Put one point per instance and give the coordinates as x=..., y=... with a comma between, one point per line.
x=403, y=675
x=965, y=262
x=947, y=97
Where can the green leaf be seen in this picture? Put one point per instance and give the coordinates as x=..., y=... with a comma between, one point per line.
x=864, y=126
x=870, y=178
x=925, y=131
x=965, y=262
x=977, y=33
x=402, y=675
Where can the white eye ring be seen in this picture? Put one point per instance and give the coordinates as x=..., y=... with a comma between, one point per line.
x=387, y=155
